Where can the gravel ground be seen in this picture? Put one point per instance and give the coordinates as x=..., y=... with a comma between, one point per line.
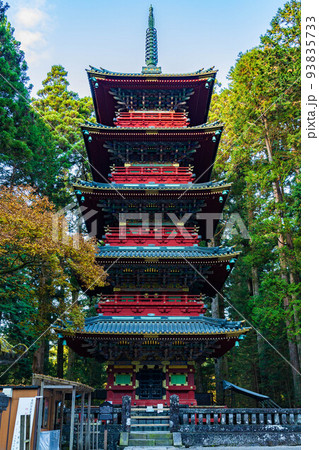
x=282, y=447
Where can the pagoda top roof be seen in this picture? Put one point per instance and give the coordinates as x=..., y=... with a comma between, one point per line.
x=162, y=325
x=153, y=251
x=102, y=83
x=158, y=186
x=202, y=73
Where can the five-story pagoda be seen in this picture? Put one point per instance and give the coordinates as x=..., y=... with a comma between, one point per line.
x=151, y=154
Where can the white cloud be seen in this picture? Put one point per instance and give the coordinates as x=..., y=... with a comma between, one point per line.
x=30, y=17
x=32, y=24
x=30, y=39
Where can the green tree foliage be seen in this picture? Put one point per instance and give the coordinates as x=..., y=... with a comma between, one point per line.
x=42, y=269
x=27, y=150
x=65, y=111
x=260, y=154
x=39, y=149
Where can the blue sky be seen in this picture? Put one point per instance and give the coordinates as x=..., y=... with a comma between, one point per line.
x=191, y=34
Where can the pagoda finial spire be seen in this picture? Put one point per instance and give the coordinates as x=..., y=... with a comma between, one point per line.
x=151, y=18
x=151, y=54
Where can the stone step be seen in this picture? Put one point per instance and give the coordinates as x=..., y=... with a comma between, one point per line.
x=150, y=417
x=149, y=414
x=149, y=422
x=164, y=442
x=144, y=409
x=149, y=443
x=155, y=447
x=150, y=425
x=151, y=435
x=142, y=442
x=151, y=429
x=149, y=440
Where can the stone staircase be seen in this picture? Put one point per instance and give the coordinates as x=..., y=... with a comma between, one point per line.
x=150, y=439
x=144, y=420
x=149, y=429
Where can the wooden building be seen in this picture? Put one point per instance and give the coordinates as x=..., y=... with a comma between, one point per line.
x=37, y=410
x=151, y=153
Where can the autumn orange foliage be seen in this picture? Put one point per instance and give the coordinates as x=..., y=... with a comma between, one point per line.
x=32, y=234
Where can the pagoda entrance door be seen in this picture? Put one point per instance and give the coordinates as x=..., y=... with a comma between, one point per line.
x=150, y=384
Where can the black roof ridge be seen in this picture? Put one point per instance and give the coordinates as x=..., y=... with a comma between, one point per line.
x=199, y=73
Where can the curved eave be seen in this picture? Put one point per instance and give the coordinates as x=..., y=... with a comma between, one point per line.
x=105, y=259
x=99, y=128
x=84, y=334
x=153, y=189
x=105, y=74
x=120, y=253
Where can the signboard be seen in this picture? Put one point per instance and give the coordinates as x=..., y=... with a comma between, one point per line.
x=26, y=407
x=106, y=411
x=49, y=440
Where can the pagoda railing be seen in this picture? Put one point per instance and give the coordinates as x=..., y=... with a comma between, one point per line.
x=150, y=298
x=156, y=306
x=166, y=235
x=138, y=174
x=145, y=119
x=146, y=170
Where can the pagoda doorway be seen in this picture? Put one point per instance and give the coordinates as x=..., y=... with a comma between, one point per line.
x=150, y=383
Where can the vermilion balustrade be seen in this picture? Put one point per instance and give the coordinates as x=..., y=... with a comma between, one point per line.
x=160, y=236
x=137, y=304
x=150, y=298
x=161, y=174
x=145, y=119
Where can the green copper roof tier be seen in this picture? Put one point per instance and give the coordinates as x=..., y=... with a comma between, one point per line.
x=161, y=325
x=216, y=126
x=152, y=251
x=117, y=338
x=151, y=186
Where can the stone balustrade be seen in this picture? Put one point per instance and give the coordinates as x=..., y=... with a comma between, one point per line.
x=213, y=419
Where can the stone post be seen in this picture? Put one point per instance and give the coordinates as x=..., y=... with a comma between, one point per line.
x=4, y=401
x=174, y=413
x=126, y=413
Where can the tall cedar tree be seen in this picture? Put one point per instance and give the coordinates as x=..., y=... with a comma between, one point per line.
x=260, y=154
x=65, y=111
x=27, y=150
